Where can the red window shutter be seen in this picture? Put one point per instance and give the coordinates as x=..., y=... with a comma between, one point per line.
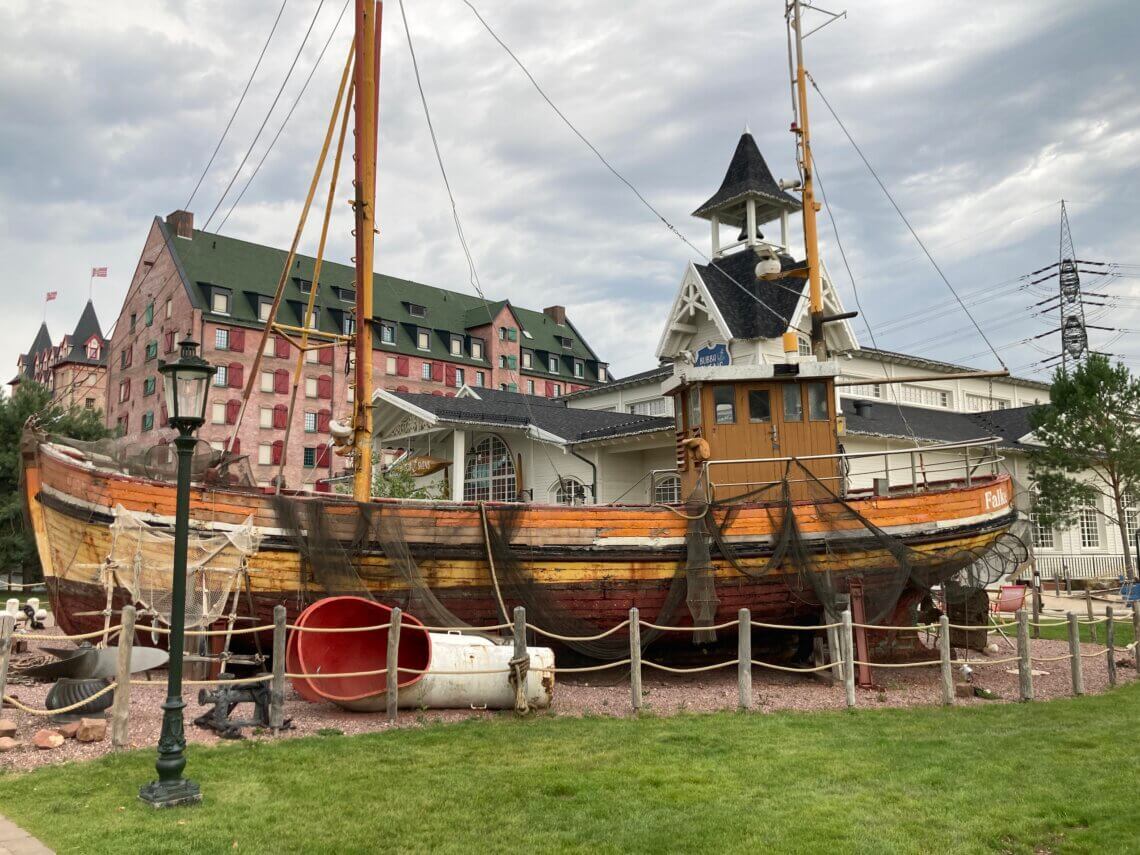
x=401, y=388
x=281, y=381
x=127, y=389
x=403, y=366
x=323, y=455
x=232, y=408
x=237, y=340
x=165, y=417
x=280, y=347
x=323, y=418
x=169, y=348
x=130, y=355
x=280, y=417
x=235, y=371
x=449, y=374
x=437, y=372
x=325, y=356
x=237, y=446
x=549, y=389
x=324, y=386
x=276, y=450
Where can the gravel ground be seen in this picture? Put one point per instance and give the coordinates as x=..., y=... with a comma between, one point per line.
x=604, y=693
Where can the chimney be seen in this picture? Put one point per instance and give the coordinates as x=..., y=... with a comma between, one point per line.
x=556, y=314
x=182, y=223
x=863, y=409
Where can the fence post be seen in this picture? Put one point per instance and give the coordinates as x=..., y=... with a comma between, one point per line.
x=1036, y=601
x=1110, y=643
x=944, y=651
x=744, y=658
x=121, y=706
x=1024, y=662
x=635, y=658
x=1136, y=634
x=1075, y=655
x=392, y=676
x=518, y=677
x=277, y=684
x=7, y=627
x=848, y=658
x=1089, y=609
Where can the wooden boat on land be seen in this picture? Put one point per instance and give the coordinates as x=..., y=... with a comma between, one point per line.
x=775, y=528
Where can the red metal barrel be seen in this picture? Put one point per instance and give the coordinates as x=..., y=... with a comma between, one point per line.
x=351, y=652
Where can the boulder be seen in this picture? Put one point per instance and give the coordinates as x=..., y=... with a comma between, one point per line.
x=69, y=729
x=7, y=727
x=47, y=739
x=963, y=690
x=7, y=743
x=91, y=730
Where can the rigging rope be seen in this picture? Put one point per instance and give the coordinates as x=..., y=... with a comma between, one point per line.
x=237, y=106
x=902, y=216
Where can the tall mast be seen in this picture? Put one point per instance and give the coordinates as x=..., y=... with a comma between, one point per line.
x=367, y=72
x=810, y=206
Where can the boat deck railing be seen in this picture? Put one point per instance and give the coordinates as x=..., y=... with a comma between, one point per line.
x=904, y=471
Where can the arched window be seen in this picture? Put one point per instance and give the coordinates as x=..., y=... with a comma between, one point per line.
x=667, y=490
x=489, y=473
x=568, y=491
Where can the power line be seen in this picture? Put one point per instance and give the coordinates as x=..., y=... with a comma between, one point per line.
x=902, y=216
x=268, y=113
x=288, y=115
x=237, y=107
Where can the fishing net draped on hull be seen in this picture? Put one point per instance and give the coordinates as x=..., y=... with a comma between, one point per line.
x=159, y=461
x=142, y=556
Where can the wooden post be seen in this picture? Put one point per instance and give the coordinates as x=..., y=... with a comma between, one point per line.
x=1136, y=635
x=1089, y=609
x=944, y=651
x=848, y=658
x=393, y=675
x=1056, y=584
x=1024, y=662
x=277, y=684
x=1036, y=577
x=744, y=658
x=121, y=706
x=7, y=627
x=520, y=654
x=1110, y=643
x=635, y=658
x=1075, y=655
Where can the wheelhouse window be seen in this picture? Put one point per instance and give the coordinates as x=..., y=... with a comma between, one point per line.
x=724, y=404
x=793, y=403
x=759, y=405
x=667, y=490
x=817, y=402
x=489, y=472
x=695, y=407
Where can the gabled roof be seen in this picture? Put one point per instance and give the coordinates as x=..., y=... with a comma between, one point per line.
x=250, y=273
x=551, y=416
x=899, y=422
x=752, y=308
x=87, y=327
x=41, y=344
x=748, y=176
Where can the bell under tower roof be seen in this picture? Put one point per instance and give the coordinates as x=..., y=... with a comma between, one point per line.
x=748, y=177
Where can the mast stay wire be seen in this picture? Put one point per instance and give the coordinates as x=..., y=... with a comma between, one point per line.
x=268, y=113
x=473, y=274
x=597, y=153
x=903, y=217
x=237, y=106
x=288, y=116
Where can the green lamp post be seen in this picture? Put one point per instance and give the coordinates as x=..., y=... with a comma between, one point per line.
x=186, y=383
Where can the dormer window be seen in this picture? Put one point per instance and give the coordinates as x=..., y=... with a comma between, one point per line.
x=417, y=311
x=803, y=346
x=476, y=348
x=219, y=303
x=579, y=368
x=387, y=332
x=346, y=295
x=456, y=345
x=552, y=364
x=423, y=339
x=93, y=349
x=567, y=343
x=527, y=359
x=305, y=285
x=603, y=373
x=264, y=307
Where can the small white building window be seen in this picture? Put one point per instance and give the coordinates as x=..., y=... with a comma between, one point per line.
x=552, y=364
x=1042, y=535
x=1090, y=528
x=569, y=491
x=220, y=303
x=218, y=414
x=423, y=339
x=667, y=490
x=265, y=417
x=221, y=339
x=265, y=454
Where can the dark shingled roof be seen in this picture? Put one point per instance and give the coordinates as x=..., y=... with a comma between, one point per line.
x=885, y=419
x=935, y=365
x=41, y=343
x=87, y=326
x=512, y=409
x=658, y=373
x=748, y=175
x=752, y=308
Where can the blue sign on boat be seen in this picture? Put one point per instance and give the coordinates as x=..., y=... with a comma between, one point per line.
x=717, y=354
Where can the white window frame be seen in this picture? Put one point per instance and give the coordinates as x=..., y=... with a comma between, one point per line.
x=458, y=377
x=552, y=364
x=265, y=454
x=456, y=346
x=265, y=417
x=221, y=338
x=667, y=490
x=310, y=422
x=387, y=333
x=423, y=339
x=476, y=348
x=222, y=376
x=425, y=371
x=222, y=298
x=263, y=307
x=267, y=381
x=218, y=413
x=310, y=387
x=1088, y=527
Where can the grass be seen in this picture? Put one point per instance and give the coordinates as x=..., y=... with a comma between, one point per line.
x=1122, y=631
x=1047, y=777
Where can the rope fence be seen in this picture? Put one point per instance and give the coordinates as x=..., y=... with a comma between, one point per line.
x=843, y=658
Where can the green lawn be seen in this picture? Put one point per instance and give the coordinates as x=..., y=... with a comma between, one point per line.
x=1055, y=777
x=1122, y=631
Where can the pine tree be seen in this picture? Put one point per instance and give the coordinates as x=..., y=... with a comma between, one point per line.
x=1090, y=425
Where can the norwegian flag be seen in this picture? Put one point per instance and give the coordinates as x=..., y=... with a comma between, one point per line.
x=99, y=272
x=51, y=295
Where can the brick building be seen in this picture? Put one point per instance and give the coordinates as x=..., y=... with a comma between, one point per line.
x=219, y=291
x=75, y=370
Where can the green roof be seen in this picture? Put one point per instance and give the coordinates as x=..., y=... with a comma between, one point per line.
x=249, y=272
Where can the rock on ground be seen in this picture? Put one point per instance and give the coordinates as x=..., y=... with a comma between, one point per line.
x=7, y=743
x=91, y=730
x=47, y=739
x=7, y=727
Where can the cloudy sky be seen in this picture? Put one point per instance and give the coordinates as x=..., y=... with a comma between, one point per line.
x=979, y=117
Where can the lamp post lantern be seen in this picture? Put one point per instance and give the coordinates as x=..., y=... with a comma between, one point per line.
x=186, y=382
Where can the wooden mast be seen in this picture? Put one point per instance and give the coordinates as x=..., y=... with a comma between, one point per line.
x=368, y=13
x=810, y=206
